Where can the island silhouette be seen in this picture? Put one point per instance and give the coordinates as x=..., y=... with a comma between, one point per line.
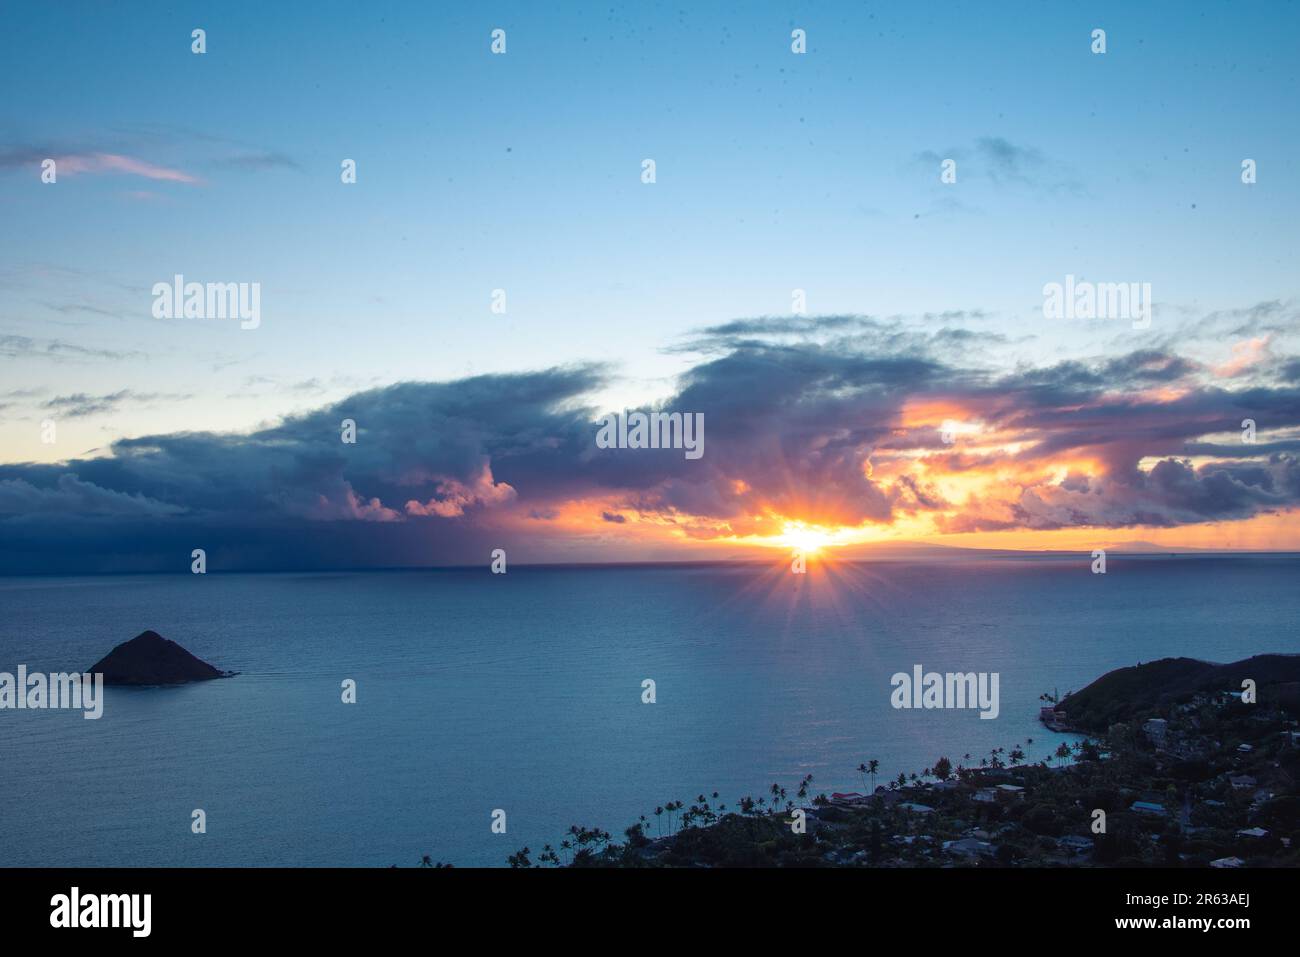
x=151, y=659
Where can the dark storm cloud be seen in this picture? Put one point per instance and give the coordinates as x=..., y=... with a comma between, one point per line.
x=424, y=456
x=827, y=431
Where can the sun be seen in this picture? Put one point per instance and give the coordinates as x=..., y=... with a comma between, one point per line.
x=804, y=538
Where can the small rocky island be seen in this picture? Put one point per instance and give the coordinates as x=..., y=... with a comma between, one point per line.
x=151, y=659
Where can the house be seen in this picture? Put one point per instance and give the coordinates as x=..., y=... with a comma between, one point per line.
x=846, y=855
x=1245, y=748
x=1156, y=730
x=1227, y=862
x=1076, y=843
x=848, y=798
x=1252, y=832
x=1053, y=719
x=1242, y=782
x=985, y=796
x=917, y=808
x=1148, y=807
x=970, y=847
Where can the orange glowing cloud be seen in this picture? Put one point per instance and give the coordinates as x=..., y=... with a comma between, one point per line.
x=1245, y=355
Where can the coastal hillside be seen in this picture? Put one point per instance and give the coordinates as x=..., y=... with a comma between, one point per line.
x=1181, y=773
x=1142, y=689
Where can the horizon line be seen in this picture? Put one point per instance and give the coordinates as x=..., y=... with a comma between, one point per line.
x=983, y=554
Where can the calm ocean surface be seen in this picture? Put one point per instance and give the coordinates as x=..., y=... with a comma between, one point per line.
x=523, y=692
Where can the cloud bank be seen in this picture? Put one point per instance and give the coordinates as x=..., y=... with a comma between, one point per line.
x=841, y=421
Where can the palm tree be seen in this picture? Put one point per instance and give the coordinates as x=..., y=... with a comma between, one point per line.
x=872, y=767
x=1062, y=753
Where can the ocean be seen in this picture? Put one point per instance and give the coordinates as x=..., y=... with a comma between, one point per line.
x=523, y=692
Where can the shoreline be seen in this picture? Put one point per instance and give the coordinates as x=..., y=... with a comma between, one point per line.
x=1205, y=778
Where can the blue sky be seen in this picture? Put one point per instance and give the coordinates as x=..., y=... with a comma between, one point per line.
x=775, y=171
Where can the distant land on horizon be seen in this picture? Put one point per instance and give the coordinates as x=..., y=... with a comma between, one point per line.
x=852, y=554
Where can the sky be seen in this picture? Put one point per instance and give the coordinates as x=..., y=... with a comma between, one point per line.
x=517, y=179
